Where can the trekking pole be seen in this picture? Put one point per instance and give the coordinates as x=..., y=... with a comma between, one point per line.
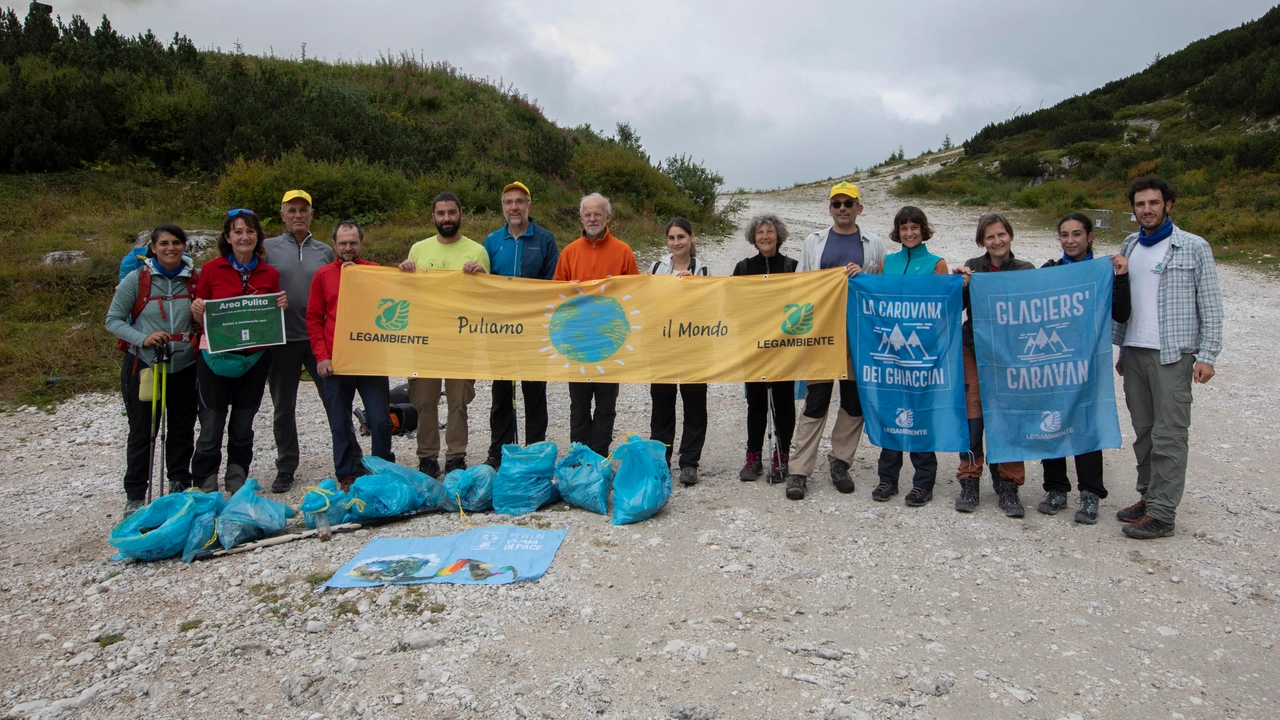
x=151, y=455
x=166, y=355
x=773, y=438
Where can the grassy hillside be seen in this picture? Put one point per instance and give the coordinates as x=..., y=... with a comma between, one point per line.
x=103, y=136
x=1204, y=117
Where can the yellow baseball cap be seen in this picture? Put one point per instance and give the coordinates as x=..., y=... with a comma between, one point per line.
x=517, y=185
x=293, y=194
x=845, y=188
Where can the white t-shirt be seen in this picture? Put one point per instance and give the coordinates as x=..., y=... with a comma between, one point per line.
x=1143, y=329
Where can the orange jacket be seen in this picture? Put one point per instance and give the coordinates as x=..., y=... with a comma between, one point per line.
x=585, y=259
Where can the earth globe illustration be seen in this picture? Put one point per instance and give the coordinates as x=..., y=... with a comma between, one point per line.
x=589, y=328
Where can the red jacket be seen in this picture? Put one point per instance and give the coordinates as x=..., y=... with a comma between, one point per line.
x=218, y=280
x=322, y=307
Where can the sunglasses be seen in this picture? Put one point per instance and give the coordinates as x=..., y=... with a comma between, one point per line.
x=837, y=204
x=240, y=211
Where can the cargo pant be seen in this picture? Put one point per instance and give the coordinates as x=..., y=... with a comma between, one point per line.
x=1159, y=400
x=847, y=432
x=424, y=393
x=971, y=462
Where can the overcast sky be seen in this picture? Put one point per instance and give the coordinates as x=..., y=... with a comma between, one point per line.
x=767, y=93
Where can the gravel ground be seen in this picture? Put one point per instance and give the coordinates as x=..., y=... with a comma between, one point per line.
x=733, y=602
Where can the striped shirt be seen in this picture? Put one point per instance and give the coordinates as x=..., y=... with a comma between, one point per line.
x=1189, y=303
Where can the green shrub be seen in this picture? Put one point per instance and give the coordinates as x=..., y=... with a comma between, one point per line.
x=914, y=185
x=1021, y=166
x=347, y=189
x=694, y=180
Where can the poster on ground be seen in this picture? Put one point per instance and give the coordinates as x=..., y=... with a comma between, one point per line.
x=493, y=555
x=905, y=338
x=1043, y=344
x=240, y=323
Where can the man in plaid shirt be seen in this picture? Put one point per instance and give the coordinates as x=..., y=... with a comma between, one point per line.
x=1173, y=336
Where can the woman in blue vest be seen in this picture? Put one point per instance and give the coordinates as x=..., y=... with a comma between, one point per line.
x=911, y=230
x=1075, y=234
x=151, y=310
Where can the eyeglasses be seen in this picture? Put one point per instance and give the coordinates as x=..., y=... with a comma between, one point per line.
x=240, y=211
x=593, y=216
x=515, y=201
x=837, y=204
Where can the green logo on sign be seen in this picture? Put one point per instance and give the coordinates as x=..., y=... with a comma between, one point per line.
x=392, y=315
x=797, y=319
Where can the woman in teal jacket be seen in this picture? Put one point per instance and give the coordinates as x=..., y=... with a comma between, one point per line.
x=151, y=309
x=911, y=230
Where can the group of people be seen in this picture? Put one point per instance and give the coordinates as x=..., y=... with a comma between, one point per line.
x=1166, y=312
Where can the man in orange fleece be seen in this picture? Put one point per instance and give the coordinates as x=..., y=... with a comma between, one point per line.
x=594, y=256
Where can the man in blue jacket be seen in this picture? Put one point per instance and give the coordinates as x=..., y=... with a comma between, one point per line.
x=518, y=249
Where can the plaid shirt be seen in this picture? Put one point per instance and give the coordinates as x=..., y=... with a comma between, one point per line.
x=1190, y=301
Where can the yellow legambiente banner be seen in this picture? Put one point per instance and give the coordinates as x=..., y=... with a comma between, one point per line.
x=632, y=329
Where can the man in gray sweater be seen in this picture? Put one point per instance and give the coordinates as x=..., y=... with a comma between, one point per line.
x=297, y=256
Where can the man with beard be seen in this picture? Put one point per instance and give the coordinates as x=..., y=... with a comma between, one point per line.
x=296, y=256
x=594, y=256
x=340, y=390
x=1173, y=336
x=448, y=250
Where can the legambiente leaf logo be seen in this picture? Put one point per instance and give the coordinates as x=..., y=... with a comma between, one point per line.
x=393, y=315
x=797, y=319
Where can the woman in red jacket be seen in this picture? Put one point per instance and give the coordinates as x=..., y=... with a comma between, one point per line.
x=231, y=383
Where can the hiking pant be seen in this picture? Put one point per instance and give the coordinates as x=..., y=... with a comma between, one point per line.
x=662, y=420
x=1159, y=400
x=1088, y=474
x=180, y=428
x=339, y=394
x=971, y=462
x=844, y=436
x=502, y=414
x=424, y=393
x=595, y=430
x=925, y=463
x=228, y=404
x=784, y=413
x=287, y=362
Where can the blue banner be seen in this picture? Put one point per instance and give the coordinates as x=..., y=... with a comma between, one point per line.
x=1043, y=345
x=904, y=332
x=493, y=555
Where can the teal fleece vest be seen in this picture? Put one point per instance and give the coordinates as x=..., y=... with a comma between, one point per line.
x=911, y=261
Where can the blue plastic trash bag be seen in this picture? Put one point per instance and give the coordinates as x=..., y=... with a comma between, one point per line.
x=473, y=488
x=379, y=496
x=249, y=516
x=524, y=482
x=202, y=536
x=643, y=483
x=583, y=479
x=429, y=490
x=324, y=498
x=159, y=530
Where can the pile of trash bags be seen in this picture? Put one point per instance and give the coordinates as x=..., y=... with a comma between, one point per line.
x=189, y=523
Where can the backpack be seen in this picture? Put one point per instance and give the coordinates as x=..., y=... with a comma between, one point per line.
x=145, y=296
x=404, y=419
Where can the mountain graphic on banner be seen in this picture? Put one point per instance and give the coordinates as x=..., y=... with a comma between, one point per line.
x=1042, y=346
x=897, y=341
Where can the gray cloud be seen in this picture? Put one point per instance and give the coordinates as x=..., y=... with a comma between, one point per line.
x=767, y=93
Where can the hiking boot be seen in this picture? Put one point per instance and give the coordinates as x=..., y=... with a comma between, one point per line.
x=1088, y=512
x=429, y=466
x=752, y=468
x=967, y=502
x=1009, y=501
x=919, y=497
x=840, y=476
x=454, y=464
x=493, y=462
x=132, y=506
x=796, y=486
x=688, y=476
x=282, y=483
x=1133, y=513
x=778, y=468
x=1148, y=528
x=345, y=483
x=1053, y=502
x=884, y=491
